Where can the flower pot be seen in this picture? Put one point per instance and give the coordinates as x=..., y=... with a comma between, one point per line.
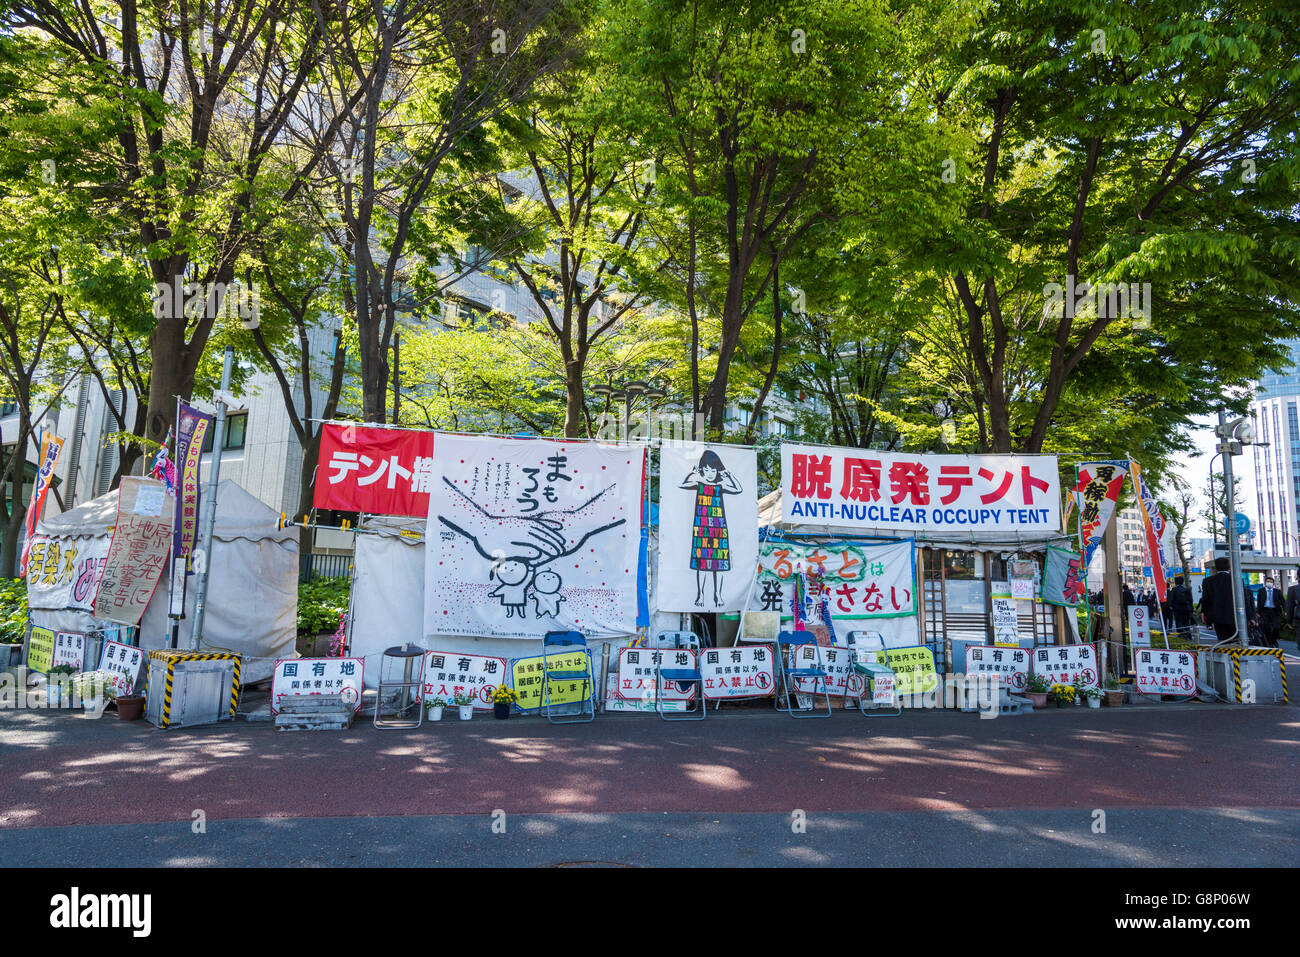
x=435, y=714
x=1114, y=698
x=466, y=711
x=1094, y=702
x=130, y=707
x=1037, y=698
x=501, y=710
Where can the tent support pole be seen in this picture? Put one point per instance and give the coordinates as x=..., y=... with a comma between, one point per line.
x=209, y=517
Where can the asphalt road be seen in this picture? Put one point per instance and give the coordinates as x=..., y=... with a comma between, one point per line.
x=1168, y=785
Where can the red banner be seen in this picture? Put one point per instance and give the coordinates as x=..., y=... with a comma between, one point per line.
x=374, y=470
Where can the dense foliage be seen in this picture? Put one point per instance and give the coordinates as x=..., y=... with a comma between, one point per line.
x=321, y=602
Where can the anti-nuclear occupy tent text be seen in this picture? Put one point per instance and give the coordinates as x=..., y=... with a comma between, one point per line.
x=864, y=581
x=530, y=536
x=708, y=526
x=855, y=488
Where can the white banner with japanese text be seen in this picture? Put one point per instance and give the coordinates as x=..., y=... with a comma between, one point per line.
x=1008, y=665
x=858, y=580
x=1164, y=672
x=636, y=673
x=62, y=572
x=527, y=536
x=897, y=493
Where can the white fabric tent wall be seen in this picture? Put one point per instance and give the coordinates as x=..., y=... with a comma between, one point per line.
x=388, y=602
x=252, y=605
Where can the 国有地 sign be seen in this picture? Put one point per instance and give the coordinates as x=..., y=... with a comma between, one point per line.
x=854, y=488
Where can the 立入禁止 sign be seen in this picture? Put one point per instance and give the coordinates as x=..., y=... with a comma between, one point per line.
x=895, y=492
x=447, y=675
x=1164, y=672
x=708, y=526
x=1009, y=665
x=636, y=673
x=841, y=676
x=374, y=470
x=528, y=536
x=1062, y=664
x=745, y=671
x=312, y=676
x=121, y=665
x=860, y=580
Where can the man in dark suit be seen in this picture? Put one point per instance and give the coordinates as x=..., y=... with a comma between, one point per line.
x=1217, y=607
x=1181, y=605
x=1269, y=604
x=1293, y=606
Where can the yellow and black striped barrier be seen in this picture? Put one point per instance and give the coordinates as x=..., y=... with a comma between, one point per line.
x=172, y=657
x=1237, y=654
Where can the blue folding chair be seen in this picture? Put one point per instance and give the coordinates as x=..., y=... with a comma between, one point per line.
x=562, y=642
x=793, y=641
x=866, y=675
x=667, y=642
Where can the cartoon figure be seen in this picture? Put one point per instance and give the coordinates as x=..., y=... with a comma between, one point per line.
x=710, y=549
x=519, y=545
x=546, y=594
x=512, y=592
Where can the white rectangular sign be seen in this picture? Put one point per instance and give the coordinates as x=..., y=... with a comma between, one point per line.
x=1006, y=623
x=636, y=673
x=838, y=665
x=745, y=671
x=311, y=676
x=1164, y=672
x=121, y=663
x=447, y=675
x=708, y=526
x=69, y=649
x=1061, y=664
x=1139, y=626
x=898, y=493
x=1009, y=665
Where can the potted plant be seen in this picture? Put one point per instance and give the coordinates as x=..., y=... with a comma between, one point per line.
x=1062, y=694
x=92, y=688
x=435, y=706
x=1114, y=693
x=1036, y=690
x=1092, y=696
x=465, y=702
x=130, y=706
x=502, y=698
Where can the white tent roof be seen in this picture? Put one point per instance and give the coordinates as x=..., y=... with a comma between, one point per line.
x=239, y=515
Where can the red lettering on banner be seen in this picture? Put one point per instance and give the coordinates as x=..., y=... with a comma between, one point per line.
x=812, y=476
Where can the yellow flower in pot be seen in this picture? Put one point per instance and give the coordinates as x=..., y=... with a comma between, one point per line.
x=1062, y=694
x=502, y=698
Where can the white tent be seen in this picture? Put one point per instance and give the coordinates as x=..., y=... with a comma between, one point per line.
x=252, y=603
x=387, y=606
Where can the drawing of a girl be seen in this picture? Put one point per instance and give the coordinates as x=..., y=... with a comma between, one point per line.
x=710, y=548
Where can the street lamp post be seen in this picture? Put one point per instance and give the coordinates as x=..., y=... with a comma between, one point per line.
x=626, y=395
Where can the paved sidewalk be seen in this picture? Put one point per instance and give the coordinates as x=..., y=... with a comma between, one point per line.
x=1189, y=783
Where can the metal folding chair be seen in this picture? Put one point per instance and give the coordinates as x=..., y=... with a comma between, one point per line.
x=866, y=674
x=561, y=642
x=793, y=641
x=678, y=673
